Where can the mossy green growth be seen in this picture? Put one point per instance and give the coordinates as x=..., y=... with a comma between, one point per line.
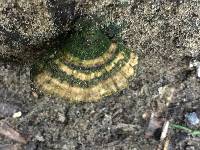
x=88, y=66
x=87, y=42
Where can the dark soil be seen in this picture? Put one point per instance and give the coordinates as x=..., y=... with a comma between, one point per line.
x=165, y=35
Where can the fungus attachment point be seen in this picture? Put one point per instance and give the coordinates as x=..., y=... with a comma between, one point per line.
x=89, y=68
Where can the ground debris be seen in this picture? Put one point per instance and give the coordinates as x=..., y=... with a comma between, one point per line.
x=155, y=124
x=181, y=141
x=125, y=127
x=195, y=64
x=10, y=133
x=165, y=96
x=166, y=145
x=192, y=118
x=10, y=147
x=7, y=110
x=17, y=114
x=164, y=131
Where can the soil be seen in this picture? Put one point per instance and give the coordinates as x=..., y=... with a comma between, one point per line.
x=165, y=35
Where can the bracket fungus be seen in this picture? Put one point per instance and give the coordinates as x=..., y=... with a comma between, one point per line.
x=90, y=66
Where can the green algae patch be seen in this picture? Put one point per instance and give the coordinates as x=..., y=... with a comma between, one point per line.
x=87, y=43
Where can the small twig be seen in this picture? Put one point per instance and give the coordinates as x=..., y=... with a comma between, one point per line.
x=188, y=130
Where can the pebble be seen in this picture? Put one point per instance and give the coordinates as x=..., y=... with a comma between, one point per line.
x=40, y=138
x=146, y=115
x=192, y=118
x=17, y=114
x=61, y=117
x=35, y=95
x=196, y=64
